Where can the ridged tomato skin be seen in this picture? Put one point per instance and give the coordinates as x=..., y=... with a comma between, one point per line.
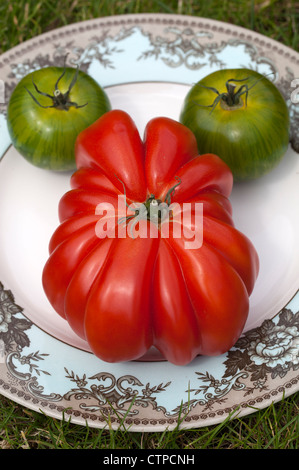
x=46, y=136
x=251, y=139
x=127, y=287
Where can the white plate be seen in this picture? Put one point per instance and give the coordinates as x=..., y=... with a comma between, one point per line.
x=147, y=64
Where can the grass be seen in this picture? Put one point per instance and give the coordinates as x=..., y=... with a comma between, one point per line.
x=276, y=427
x=23, y=19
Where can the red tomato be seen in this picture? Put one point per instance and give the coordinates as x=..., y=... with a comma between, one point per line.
x=122, y=277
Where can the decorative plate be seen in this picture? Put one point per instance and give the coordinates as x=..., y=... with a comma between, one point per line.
x=147, y=63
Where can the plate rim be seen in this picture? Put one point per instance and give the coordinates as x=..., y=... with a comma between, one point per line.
x=132, y=18
x=146, y=18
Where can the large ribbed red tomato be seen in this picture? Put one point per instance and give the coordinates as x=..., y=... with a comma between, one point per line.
x=121, y=276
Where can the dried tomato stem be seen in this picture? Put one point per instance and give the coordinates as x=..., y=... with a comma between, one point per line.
x=231, y=99
x=59, y=100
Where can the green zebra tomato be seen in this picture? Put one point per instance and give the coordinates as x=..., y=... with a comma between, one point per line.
x=48, y=109
x=241, y=116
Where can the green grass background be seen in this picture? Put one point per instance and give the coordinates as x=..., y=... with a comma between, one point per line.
x=277, y=426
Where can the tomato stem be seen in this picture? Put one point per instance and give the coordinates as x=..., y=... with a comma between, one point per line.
x=154, y=210
x=231, y=99
x=59, y=100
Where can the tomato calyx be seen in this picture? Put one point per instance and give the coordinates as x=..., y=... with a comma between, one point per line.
x=154, y=210
x=231, y=98
x=59, y=100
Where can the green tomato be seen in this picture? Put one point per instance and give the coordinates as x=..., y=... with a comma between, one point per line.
x=48, y=109
x=239, y=115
